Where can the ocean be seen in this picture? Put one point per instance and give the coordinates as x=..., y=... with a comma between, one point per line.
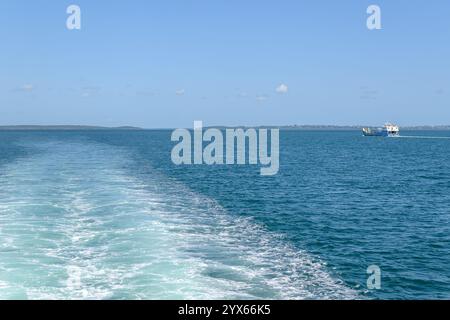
x=106, y=215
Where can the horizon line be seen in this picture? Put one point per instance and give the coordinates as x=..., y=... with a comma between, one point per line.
x=75, y=127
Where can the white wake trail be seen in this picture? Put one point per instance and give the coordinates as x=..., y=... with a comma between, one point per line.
x=74, y=224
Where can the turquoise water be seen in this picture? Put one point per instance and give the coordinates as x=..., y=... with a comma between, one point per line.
x=106, y=215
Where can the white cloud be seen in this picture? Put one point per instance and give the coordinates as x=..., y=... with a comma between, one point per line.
x=25, y=88
x=28, y=87
x=180, y=92
x=147, y=93
x=261, y=98
x=282, y=89
x=89, y=91
x=368, y=93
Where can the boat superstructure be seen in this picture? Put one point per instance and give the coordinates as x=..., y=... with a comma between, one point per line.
x=388, y=130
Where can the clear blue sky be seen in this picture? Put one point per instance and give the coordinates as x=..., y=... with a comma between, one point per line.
x=168, y=63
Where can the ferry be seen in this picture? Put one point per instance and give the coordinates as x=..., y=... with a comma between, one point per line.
x=389, y=130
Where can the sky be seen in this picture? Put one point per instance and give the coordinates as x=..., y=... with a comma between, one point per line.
x=164, y=64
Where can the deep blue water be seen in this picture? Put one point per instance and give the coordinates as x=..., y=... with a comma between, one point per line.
x=106, y=215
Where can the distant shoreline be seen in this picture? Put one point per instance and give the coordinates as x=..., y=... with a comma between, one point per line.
x=131, y=128
x=64, y=128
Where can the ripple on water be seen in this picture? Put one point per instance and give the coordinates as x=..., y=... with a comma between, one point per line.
x=76, y=225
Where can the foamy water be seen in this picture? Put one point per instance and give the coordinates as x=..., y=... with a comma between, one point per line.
x=74, y=224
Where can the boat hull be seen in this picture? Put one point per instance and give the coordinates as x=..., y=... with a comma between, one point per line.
x=376, y=134
x=387, y=131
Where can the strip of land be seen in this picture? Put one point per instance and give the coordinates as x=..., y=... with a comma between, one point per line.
x=63, y=127
x=289, y=127
x=344, y=128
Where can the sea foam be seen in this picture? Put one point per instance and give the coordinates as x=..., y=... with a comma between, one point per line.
x=75, y=223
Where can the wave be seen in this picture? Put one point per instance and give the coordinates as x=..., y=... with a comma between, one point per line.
x=423, y=137
x=75, y=224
